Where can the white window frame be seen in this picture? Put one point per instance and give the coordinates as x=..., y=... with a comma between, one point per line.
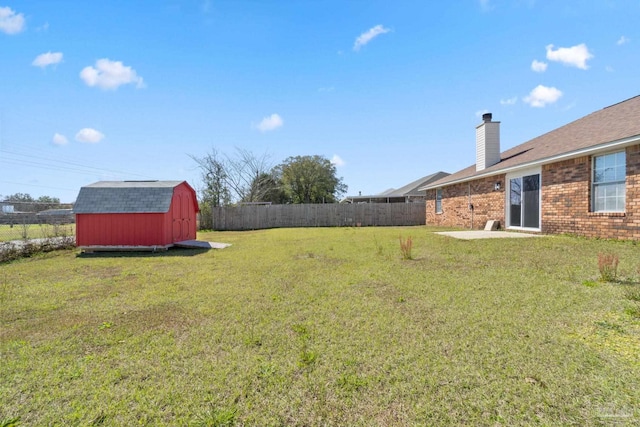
x=438, y=200
x=618, y=182
x=507, y=200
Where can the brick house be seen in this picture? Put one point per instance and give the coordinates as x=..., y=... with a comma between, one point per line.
x=582, y=178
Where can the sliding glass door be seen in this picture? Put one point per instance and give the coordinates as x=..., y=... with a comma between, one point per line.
x=524, y=201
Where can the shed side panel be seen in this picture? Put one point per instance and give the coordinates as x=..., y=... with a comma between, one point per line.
x=137, y=229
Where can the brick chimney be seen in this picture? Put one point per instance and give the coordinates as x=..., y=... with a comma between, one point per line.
x=487, y=143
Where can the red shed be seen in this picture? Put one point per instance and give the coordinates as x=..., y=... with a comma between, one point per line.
x=135, y=214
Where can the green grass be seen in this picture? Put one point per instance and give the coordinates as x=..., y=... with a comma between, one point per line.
x=305, y=327
x=34, y=231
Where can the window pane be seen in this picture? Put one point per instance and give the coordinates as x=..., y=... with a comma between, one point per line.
x=609, y=168
x=620, y=166
x=531, y=198
x=515, y=201
x=609, y=174
x=609, y=197
x=621, y=198
x=531, y=183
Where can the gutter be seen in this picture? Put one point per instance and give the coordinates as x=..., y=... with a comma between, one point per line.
x=564, y=156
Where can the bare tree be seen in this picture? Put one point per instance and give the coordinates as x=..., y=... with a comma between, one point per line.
x=244, y=177
x=249, y=176
x=213, y=172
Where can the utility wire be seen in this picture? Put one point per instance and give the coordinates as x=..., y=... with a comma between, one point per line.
x=74, y=167
x=35, y=185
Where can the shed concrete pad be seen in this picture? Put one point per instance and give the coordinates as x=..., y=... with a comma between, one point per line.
x=200, y=244
x=482, y=234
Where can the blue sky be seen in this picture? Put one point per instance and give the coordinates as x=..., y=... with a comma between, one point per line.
x=390, y=90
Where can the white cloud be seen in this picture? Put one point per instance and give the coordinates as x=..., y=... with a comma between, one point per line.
x=337, y=160
x=10, y=22
x=59, y=139
x=369, y=35
x=109, y=74
x=486, y=5
x=509, y=101
x=622, y=40
x=542, y=95
x=270, y=123
x=90, y=136
x=576, y=56
x=48, y=58
x=539, y=66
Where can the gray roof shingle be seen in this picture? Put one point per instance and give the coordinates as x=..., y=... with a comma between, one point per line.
x=125, y=197
x=411, y=189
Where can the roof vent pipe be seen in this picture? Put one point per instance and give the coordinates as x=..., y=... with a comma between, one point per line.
x=487, y=143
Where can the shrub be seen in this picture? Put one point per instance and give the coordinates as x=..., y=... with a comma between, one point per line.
x=11, y=251
x=608, y=266
x=405, y=247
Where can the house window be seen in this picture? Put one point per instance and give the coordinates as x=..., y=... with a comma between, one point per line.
x=438, y=200
x=608, y=182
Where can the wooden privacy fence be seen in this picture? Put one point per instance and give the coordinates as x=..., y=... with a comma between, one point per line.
x=254, y=217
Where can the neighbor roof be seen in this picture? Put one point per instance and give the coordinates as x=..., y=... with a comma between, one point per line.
x=617, y=124
x=126, y=197
x=411, y=189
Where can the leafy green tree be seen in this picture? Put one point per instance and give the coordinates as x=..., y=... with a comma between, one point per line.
x=48, y=200
x=25, y=203
x=266, y=187
x=20, y=197
x=310, y=179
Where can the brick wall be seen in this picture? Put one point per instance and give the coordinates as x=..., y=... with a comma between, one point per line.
x=566, y=200
x=488, y=204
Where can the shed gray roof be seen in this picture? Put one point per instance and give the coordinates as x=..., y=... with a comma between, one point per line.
x=613, y=124
x=126, y=197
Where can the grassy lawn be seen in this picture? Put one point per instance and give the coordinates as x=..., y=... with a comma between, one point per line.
x=34, y=231
x=310, y=327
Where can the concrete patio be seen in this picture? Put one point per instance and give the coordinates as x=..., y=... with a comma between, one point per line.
x=484, y=234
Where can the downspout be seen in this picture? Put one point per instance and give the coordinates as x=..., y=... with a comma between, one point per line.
x=470, y=205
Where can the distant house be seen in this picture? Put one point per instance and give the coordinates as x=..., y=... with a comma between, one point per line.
x=582, y=178
x=409, y=193
x=6, y=208
x=135, y=214
x=55, y=216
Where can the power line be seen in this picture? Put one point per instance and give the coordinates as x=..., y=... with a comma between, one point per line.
x=74, y=167
x=41, y=186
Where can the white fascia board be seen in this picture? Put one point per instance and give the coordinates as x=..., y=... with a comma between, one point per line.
x=607, y=146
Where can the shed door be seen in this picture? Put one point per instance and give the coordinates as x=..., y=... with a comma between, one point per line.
x=176, y=210
x=187, y=216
